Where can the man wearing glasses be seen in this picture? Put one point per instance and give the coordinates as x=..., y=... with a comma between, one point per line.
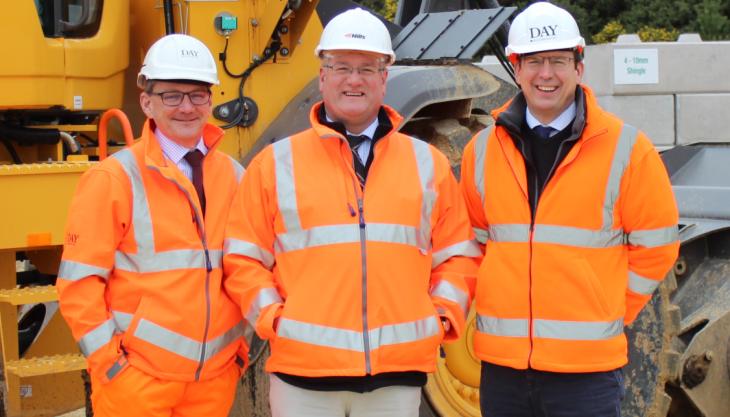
x=348, y=246
x=140, y=282
x=578, y=224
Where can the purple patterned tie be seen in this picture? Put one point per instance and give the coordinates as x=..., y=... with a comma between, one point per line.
x=195, y=159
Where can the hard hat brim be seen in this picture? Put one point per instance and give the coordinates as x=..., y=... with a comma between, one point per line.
x=349, y=47
x=578, y=42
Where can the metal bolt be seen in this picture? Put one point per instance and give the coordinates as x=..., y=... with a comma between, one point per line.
x=223, y=111
x=695, y=369
x=254, y=22
x=284, y=51
x=283, y=29
x=256, y=58
x=680, y=267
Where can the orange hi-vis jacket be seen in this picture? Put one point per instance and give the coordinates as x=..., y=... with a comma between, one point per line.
x=554, y=292
x=141, y=277
x=357, y=279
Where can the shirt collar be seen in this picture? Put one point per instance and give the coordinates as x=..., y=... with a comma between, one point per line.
x=173, y=150
x=369, y=131
x=559, y=123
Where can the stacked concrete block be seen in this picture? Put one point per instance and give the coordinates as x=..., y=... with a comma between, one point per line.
x=703, y=118
x=690, y=99
x=654, y=115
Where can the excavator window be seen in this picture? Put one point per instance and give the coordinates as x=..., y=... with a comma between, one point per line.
x=69, y=18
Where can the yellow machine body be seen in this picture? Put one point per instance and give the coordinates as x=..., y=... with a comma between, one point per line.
x=47, y=79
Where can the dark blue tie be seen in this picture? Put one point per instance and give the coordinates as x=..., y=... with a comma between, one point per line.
x=543, y=131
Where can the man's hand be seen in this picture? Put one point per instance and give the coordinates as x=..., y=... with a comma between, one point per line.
x=446, y=324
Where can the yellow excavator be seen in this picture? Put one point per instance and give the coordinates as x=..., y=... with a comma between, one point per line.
x=69, y=99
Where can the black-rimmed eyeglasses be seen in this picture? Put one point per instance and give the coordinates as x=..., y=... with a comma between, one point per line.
x=175, y=98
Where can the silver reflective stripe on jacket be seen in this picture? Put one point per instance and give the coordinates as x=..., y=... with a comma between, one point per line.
x=654, y=237
x=480, y=155
x=582, y=237
x=550, y=329
x=147, y=259
x=337, y=338
x=642, y=285
x=237, y=168
x=184, y=346
x=297, y=238
x=74, y=271
x=448, y=291
x=481, y=235
x=605, y=237
x=241, y=247
x=424, y=163
x=100, y=336
x=466, y=248
x=264, y=298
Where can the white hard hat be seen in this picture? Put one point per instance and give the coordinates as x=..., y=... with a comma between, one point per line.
x=356, y=30
x=178, y=57
x=543, y=27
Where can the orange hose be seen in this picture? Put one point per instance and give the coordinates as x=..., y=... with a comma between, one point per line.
x=102, y=130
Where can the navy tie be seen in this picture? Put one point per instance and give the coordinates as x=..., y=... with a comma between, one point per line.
x=195, y=159
x=360, y=169
x=543, y=131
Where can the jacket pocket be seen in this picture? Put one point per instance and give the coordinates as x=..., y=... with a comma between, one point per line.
x=594, y=287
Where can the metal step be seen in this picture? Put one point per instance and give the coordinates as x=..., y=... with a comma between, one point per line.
x=45, y=365
x=29, y=295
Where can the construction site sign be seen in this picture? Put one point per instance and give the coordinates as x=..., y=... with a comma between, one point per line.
x=635, y=66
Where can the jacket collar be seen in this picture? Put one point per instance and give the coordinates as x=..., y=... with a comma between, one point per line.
x=326, y=129
x=587, y=123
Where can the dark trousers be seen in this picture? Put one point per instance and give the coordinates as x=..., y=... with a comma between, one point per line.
x=508, y=392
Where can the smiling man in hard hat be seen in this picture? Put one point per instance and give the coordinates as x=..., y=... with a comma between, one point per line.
x=140, y=280
x=579, y=226
x=349, y=246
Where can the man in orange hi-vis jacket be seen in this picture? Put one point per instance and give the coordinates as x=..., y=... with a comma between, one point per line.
x=349, y=246
x=579, y=226
x=140, y=284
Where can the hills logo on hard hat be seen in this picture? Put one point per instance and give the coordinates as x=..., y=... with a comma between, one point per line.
x=355, y=36
x=540, y=33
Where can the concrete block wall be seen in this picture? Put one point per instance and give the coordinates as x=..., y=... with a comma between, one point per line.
x=689, y=103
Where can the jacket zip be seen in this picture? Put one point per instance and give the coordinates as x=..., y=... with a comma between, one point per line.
x=536, y=199
x=363, y=257
x=529, y=295
x=208, y=268
x=360, y=196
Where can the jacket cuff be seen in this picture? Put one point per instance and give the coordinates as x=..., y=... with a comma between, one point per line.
x=107, y=362
x=457, y=325
x=265, y=324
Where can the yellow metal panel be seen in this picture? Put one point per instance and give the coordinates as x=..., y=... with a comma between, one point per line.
x=93, y=93
x=30, y=91
x=26, y=51
x=51, y=395
x=47, y=365
x=43, y=72
x=37, y=198
x=28, y=295
x=9, y=333
x=106, y=53
x=266, y=13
